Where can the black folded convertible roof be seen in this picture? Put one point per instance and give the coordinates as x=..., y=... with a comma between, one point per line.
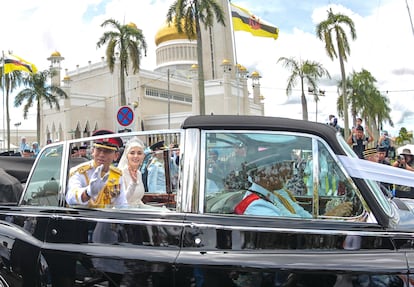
x=233, y=122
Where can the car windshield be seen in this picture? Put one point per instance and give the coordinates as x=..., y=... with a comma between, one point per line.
x=296, y=172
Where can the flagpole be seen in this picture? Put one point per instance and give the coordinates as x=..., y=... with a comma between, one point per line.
x=232, y=33
x=4, y=112
x=235, y=57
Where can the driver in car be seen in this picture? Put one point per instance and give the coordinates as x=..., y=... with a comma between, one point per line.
x=265, y=195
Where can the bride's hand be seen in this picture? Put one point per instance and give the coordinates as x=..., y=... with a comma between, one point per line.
x=133, y=174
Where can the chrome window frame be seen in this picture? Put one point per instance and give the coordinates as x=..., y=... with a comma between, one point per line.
x=66, y=153
x=315, y=153
x=384, y=202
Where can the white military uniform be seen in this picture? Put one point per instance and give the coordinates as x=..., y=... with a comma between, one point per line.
x=79, y=180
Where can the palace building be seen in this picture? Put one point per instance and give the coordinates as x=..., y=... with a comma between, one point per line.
x=158, y=99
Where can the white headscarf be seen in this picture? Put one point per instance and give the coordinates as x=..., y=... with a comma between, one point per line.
x=134, y=142
x=135, y=192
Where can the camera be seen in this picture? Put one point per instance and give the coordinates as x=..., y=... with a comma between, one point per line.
x=400, y=159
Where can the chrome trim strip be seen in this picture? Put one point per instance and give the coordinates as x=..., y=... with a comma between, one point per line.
x=123, y=221
x=191, y=171
x=300, y=231
x=315, y=173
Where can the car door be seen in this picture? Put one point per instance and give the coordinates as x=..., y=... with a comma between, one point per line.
x=128, y=246
x=238, y=251
x=24, y=226
x=324, y=235
x=22, y=232
x=118, y=247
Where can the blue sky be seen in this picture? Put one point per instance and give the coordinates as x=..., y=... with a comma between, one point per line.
x=384, y=45
x=297, y=14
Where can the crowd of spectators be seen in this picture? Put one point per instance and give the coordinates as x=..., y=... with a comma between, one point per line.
x=383, y=152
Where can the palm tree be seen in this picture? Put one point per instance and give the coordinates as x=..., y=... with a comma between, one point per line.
x=11, y=81
x=358, y=86
x=403, y=136
x=365, y=99
x=128, y=41
x=187, y=16
x=379, y=111
x=36, y=92
x=310, y=71
x=328, y=31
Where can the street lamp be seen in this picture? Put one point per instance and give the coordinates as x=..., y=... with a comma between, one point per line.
x=170, y=74
x=17, y=125
x=316, y=94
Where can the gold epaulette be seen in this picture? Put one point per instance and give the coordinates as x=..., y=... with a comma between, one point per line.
x=116, y=170
x=82, y=169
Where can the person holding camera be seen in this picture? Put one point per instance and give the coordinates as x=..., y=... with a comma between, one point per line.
x=385, y=141
x=358, y=141
x=406, y=161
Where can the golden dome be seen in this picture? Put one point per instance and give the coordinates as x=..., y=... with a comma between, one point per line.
x=132, y=25
x=225, y=62
x=66, y=78
x=55, y=54
x=194, y=66
x=241, y=68
x=255, y=74
x=169, y=32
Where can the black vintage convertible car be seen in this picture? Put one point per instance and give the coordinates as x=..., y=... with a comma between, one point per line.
x=254, y=201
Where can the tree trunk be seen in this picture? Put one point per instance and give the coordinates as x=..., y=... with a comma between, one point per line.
x=344, y=96
x=304, y=102
x=39, y=128
x=201, y=90
x=122, y=83
x=7, y=81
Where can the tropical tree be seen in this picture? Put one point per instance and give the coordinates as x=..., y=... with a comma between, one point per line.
x=403, y=136
x=357, y=87
x=187, y=16
x=330, y=31
x=364, y=99
x=129, y=42
x=37, y=92
x=9, y=82
x=379, y=111
x=309, y=71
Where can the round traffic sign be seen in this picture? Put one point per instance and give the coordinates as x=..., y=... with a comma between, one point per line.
x=125, y=116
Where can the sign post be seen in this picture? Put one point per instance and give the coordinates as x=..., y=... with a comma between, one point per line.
x=125, y=117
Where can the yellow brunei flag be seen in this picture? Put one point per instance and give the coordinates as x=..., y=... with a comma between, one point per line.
x=14, y=63
x=243, y=20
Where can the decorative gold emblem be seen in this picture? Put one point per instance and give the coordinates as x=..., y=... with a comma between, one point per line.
x=115, y=191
